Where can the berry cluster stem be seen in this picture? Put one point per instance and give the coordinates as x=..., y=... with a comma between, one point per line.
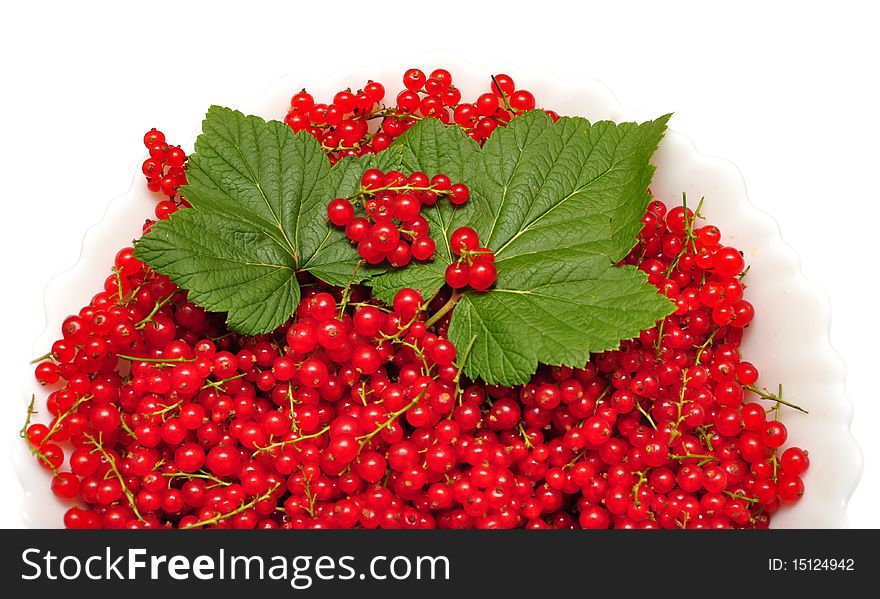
x=99, y=446
x=278, y=444
x=777, y=397
x=238, y=510
x=443, y=311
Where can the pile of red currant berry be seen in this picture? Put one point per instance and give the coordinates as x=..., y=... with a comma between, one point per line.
x=164, y=170
x=358, y=123
x=355, y=413
x=393, y=202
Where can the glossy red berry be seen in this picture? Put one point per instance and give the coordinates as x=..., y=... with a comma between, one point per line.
x=423, y=248
x=407, y=303
x=414, y=79
x=522, y=100
x=481, y=275
x=457, y=275
x=728, y=262
x=464, y=239
x=340, y=212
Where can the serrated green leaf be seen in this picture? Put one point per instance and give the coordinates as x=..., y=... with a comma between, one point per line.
x=435, y=148
x=227, y=266
x=557, y=202
x=549, y=199
x=538, y=186
x=427, y=279
x=262, y=173
x=566, y=185
x=555, y=309
x=264, y=189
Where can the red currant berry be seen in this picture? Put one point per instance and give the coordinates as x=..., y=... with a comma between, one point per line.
x=503, y=85
x=522, y=100
x=340, y=212
x=414, y=79
x=481, y=275
x=463, y=239
x=457, y=275
x=423, y=248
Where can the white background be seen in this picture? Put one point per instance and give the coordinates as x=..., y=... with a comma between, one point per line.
x=788, y=92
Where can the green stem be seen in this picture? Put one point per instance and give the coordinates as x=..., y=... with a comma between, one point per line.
x=155, y=360
x=525, y=437
x=765, y=394
x=165, y=410
x=371, y=305
x=403, y=329
x=363, y=191
x=635, y=490
x=420, y=354
x=307, y=488
x=278, y=444
x=461, y=363
x=127, y=428
x=694, y=456
x=128, y=494
x=659, y=342
x=149, y=318
x=118, y=273
x=41, y=358
x=690, y=236
x=385, y=112
x=57, y=424
x=221, y=385
x=346, y=293
x=703, y=432
x=35, y=450
x=341, y=146
x=740, y=496
x=364, y=439
x=703, y=347
x=27, y=422
x=646, y=415
x=449, y=305
x=238, y=510
x=200, y=474
x=292, y=406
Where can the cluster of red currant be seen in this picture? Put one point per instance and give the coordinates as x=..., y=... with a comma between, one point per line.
x=475, y=266
x=164, y=169
x=679, y=247
x=344, y=126
x=355, y=413
x=393, y=202
x=479, y=119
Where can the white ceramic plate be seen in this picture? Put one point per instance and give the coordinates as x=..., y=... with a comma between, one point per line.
x=788, y=340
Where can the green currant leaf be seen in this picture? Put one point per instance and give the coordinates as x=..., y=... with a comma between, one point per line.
x=426, y=277
x=547, y=186
x=227, y=265
x=551, y=200
x=556, y=308
x=259, y=195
